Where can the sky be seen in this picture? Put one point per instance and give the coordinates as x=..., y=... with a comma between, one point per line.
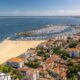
x=39, y=7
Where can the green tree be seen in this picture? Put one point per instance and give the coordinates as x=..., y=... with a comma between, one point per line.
x=40, y=53
x=73, y=44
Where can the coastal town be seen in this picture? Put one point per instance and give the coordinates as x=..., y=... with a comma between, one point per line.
x=39, y=39
x=54, y=59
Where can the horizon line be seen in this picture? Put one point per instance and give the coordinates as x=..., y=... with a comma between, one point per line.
x=42, y=16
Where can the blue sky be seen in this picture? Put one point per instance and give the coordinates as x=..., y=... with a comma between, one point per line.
x=39, y=7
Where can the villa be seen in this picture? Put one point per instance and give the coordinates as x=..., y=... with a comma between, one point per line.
x=16, y=62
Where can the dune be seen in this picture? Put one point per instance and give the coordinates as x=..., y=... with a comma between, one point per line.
x=12, y=48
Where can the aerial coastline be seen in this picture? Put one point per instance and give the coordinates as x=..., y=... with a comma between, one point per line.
x=39, y=39
x=15, y=47
x=52, y=58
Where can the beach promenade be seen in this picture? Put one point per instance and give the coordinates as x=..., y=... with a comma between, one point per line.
x=9, y=48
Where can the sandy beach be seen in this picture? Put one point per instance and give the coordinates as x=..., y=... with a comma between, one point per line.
x=9, y=48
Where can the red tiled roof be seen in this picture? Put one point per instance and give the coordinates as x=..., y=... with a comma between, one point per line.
x=63, y=74
x=57, y=70
x=16, y=59
x=49, y=60
x=72, y=49
x=55, y=56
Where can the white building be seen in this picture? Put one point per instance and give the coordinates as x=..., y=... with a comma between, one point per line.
x=4, y=76
x=78, y=76
x=61, y=37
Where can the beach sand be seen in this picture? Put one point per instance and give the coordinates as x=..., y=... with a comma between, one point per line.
x=9, y=48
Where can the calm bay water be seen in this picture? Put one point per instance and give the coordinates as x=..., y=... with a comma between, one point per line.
x=11, y=25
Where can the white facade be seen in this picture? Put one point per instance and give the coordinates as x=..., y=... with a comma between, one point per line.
x=61, y=37
x=4, y=76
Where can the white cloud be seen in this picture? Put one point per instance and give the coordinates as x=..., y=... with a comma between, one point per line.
x=42, y=13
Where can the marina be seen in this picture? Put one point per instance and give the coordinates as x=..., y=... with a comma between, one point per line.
x=47, y=32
